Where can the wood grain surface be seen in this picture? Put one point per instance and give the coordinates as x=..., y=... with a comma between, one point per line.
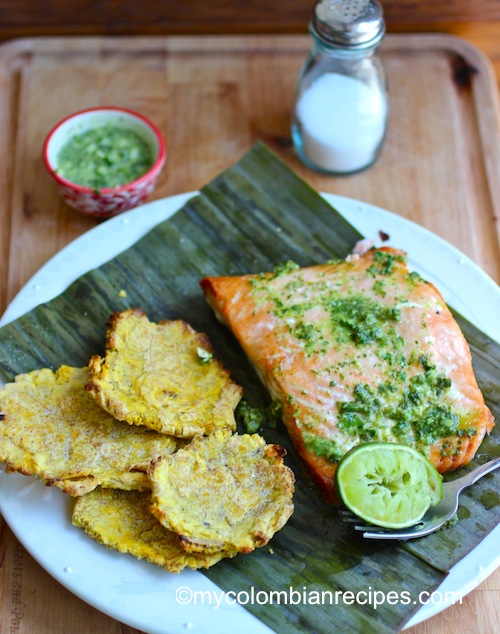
x=129, y=17
x=213, y=97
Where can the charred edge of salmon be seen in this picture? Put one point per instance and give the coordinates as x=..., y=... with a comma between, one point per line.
x=211, y=296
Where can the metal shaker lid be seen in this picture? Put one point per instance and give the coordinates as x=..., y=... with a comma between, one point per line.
x=353, y=24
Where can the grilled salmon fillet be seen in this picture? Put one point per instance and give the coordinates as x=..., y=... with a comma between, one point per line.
x=355, y=351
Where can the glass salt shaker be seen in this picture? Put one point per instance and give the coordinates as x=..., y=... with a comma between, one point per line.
x=341, y=107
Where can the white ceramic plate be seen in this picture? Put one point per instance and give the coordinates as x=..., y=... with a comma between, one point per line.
x=140, y=594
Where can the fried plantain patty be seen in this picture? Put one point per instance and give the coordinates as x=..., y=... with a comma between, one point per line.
x=222, y=492
x=162, y=376
x=122, y=520
x=51, y=427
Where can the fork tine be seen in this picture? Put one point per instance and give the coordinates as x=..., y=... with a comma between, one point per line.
x=346, y=512
x=350, y=519
x=348, y=516
x=400, y=535
x=375, y=529
x=412, y=532
x=382, y=535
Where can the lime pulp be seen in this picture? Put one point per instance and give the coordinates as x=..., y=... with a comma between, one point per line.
x=388, y=484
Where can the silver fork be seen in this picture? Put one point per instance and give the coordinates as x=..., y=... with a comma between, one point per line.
x=437, y=515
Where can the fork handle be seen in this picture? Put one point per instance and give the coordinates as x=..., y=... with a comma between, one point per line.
x=477, y=473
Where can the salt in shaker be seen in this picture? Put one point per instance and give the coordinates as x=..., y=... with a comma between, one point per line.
x=341, y=106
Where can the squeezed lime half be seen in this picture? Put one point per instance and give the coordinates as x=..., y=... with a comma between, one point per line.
x=388, y=484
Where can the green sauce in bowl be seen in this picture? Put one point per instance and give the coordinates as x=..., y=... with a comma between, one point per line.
x=105, y=156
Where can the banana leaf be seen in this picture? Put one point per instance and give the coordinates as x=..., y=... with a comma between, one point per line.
x=254, y=215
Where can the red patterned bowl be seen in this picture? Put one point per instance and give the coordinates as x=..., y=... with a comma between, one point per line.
x=109, y=201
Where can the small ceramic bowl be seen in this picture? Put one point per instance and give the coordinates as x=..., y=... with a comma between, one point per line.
x=105, y=202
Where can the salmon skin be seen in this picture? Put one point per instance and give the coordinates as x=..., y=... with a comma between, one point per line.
x=355, y=351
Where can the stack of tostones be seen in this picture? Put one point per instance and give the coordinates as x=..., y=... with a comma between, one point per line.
x=223, y=494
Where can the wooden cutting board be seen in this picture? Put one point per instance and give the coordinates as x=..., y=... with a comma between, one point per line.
x=213, y=97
